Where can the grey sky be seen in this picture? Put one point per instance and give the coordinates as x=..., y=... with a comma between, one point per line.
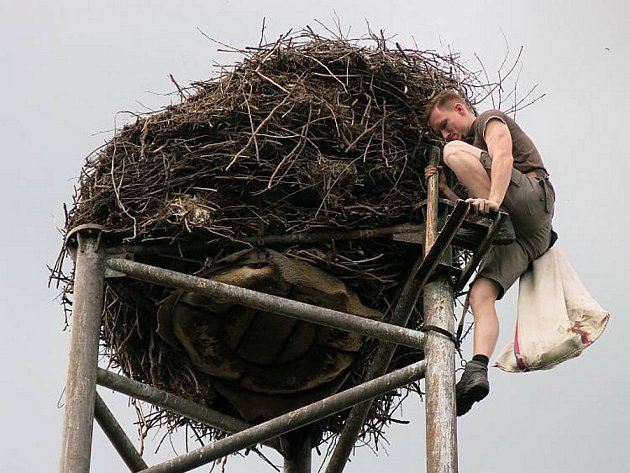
x=68, y=67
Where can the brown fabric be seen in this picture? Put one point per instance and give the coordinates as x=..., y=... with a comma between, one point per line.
x=256, y=406
x=526, y=156
x=259, y=354
x=529, y=200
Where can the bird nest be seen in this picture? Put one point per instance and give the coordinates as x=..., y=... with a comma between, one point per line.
x=306, y=135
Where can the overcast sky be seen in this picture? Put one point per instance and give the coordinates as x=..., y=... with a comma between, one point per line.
x=69, y=67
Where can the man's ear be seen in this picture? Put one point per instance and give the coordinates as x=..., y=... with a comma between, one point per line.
x=459, y=108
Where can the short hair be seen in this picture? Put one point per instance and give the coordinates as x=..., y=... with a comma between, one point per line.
x=445, y=98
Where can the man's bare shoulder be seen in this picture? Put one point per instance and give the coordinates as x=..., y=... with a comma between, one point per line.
x=490, y=116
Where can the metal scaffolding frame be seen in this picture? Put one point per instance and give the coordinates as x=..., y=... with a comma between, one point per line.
x=94, y=260
x=83, y=403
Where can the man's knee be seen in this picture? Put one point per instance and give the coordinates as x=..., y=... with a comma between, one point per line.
x=483, y=292
x=453, y=150
x=457, y=151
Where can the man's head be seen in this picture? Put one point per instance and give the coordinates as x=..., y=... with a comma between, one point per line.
x=448, y=114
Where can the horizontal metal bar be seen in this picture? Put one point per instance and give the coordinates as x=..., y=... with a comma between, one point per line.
x=291, y=421
x=117, y=436
x=270, y=303
x=175, y=404
x=294, y=238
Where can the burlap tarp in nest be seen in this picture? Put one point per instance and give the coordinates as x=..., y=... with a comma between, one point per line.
x=265, y=364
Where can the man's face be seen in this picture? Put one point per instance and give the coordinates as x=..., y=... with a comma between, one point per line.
x=451, y=121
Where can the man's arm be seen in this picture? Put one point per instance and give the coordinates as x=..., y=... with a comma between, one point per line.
x=449, y=194
x=499, y=143
x=444, y=189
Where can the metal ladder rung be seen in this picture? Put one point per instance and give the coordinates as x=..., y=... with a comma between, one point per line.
x=445, y=236
x=480, y=251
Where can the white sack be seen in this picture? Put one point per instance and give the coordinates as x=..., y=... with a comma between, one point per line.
x=557, y=317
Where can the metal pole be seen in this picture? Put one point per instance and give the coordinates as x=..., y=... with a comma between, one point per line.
x=358, y=414
x=81, y=381
x=297, y=455
x=270, y=303
x=420, y=274
x=175, y=404
x=117, y=436
x=480, y=251
x=300, y=462
x=270, y=240
x=441, y=424
x=291, y=421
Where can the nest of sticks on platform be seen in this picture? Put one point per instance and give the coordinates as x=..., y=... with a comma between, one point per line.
x=306, y=134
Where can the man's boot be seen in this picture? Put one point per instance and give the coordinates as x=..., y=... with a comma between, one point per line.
x=472, y=387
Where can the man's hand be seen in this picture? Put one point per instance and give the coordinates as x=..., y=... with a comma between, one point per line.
x=431, y=171
x=483, y=205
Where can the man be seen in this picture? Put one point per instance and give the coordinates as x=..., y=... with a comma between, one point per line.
x=501, y=168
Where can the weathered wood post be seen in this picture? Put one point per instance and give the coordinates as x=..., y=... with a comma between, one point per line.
x=441, y=422
x=82, y=366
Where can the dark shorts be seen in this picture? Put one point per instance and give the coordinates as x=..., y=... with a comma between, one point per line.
x=530, y=202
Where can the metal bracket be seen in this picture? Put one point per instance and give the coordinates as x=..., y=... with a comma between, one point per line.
x=443, y=239
x=71, y=242
x=480, y=251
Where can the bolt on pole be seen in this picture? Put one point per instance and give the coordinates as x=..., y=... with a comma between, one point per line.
x=441, y=422
x=81, y=381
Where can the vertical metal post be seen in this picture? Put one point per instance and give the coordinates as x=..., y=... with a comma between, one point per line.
x=441, y=422
x=297, y=456
x=300, y=463
x=81, y=381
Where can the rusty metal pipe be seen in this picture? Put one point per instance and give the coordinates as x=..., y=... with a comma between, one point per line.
x=175, y=404
x=117, y=436
x=270, y=303
x=81, y=381
x=291, y=421
x=441, y=422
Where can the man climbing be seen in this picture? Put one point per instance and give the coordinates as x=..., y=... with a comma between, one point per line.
x=501, y=168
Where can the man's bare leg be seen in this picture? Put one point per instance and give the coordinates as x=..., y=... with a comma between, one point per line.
x=483, y=297
x=473, y=385
x=464, y=160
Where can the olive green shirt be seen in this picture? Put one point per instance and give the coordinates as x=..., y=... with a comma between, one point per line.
x=526, y=156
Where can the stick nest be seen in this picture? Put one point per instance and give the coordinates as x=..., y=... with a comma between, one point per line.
x=306, y=134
